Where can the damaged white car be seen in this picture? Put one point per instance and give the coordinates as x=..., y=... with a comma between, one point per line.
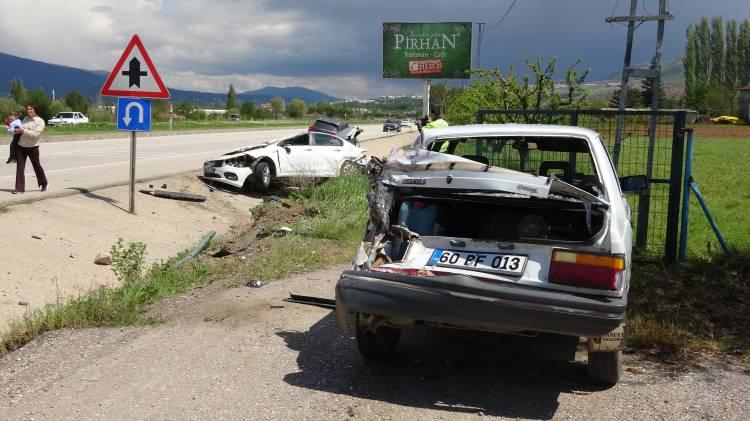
x=503, y=228
x=313, y=154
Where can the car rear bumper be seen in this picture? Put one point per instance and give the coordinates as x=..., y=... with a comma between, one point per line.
x=466, y=302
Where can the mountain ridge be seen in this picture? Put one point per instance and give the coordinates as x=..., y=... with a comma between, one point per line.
x=63, y=79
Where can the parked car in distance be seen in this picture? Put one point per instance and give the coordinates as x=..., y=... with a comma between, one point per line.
x=508, y=228
x=407, y=123
x=391, y=125
x=341, y=129
x=308, y=154
x=67, y=117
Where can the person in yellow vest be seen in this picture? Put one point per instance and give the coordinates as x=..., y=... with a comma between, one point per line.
x=435, y=120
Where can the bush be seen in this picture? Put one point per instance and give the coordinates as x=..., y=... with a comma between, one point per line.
x=127, y=262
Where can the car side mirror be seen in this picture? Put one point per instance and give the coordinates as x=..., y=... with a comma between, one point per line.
x=633, y=183
x=287, y=148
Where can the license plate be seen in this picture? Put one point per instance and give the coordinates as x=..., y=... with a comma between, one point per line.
x=485, y=262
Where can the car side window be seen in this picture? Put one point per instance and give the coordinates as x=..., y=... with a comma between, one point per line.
x=301, y=140
x=322, y=139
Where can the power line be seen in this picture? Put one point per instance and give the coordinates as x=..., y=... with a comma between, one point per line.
x=507, y=12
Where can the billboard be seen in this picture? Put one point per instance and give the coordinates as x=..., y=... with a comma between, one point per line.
x=426, y=50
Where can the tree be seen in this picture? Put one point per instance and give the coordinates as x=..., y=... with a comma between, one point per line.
x=731, y=56
x=232, y=99
x=184, y=108
x=743, y=46
x=17, y=91
x=42, y=102
x=77, y=102
x=441, y=94
x=493, y=89
x=717, y=51
x=703, y=64
x=296, y=108
x=277, y=106
x=248, y=110
x=647, y=88
x=633, y=98
x=689, y=61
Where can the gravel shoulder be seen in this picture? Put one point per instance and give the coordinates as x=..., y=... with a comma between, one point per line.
x=242, y=353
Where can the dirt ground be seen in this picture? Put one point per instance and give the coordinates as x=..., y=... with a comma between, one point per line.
x=244, y=354
x=720, y=131
x=49, y=246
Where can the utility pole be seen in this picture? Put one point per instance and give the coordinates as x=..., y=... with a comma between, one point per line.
x=653, y=73
x=480, y=30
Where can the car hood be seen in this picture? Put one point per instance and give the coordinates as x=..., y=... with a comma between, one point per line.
x=428, y=169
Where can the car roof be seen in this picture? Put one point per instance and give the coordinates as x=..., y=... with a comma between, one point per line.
x=507, y=130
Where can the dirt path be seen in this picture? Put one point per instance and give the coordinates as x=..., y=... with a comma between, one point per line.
x=242, y=353
x=72, y=230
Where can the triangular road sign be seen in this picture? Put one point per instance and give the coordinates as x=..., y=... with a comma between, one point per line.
x=135, y=75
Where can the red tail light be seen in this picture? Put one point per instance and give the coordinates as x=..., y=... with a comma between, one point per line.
x=586, y=270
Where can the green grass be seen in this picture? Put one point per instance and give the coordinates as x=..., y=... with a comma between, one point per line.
x=720, y=169
x=702, y=305
x=107, y=306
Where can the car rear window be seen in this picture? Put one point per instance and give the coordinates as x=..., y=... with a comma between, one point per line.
x=565, y=157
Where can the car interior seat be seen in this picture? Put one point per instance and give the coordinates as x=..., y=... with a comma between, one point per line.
x=556, y=165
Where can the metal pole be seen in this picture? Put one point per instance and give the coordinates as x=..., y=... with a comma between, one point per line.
x=426, y=97
x=480, y=28
x=686, y=195
x=131, y=208
x=624, y=83
x=644, y=202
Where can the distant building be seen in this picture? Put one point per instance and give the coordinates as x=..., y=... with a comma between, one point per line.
x=745, y=103
x=266, y=106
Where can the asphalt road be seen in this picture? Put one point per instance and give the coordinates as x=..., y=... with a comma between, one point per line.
x=77, y=166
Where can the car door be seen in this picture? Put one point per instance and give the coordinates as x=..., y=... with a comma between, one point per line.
x=295, y=156
x=328, y=154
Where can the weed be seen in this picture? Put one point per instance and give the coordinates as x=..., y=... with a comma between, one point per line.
x=127, y=261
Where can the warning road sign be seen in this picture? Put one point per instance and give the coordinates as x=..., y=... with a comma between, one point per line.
x=134, y=75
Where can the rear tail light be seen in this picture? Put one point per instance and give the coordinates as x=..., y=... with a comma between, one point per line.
x=586, y=270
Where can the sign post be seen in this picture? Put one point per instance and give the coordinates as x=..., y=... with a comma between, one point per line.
x=134, y=77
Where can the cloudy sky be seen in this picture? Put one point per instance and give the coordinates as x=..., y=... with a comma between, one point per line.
x=327, y=45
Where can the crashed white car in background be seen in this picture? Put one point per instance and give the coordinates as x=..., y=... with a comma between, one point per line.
x=309, y=154
x=504, y=228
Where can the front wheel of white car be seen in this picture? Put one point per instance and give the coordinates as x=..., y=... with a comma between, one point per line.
x=349, y=168
x=605, y=367
x=262, y=176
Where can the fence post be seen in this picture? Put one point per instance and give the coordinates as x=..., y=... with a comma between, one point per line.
x=675, y=185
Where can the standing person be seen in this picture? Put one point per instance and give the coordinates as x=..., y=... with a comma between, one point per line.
x=13, y=121
x=28, y=146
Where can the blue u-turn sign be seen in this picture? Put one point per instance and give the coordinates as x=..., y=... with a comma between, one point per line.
x=133, y=114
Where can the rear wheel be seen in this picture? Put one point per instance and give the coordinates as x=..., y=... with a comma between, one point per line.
x=262, y=175
x=605, y=367
x=378, y=345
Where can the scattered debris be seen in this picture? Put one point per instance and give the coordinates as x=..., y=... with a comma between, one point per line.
x=634, y=370
x=284, y=231
x=164, y=186
x=23, y=303
x=311, y=301
x=271, y=199
x=274, y=306
x=175, y=195
x=286, y=205
x=36, y=237
x=202, y=244
x=255, y=283
x=246, y=242
x=73, y=255
x=103, y=259
x=151, y=186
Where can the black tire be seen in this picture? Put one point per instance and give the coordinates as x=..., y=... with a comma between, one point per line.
x=348, y=168
x=605, y=367
x=262, y=176
x=378, y=345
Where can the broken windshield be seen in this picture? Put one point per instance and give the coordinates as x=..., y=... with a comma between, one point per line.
x=567, y=158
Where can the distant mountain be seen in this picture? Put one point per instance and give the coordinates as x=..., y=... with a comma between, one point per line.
x=671, y=71
x=63, y=79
